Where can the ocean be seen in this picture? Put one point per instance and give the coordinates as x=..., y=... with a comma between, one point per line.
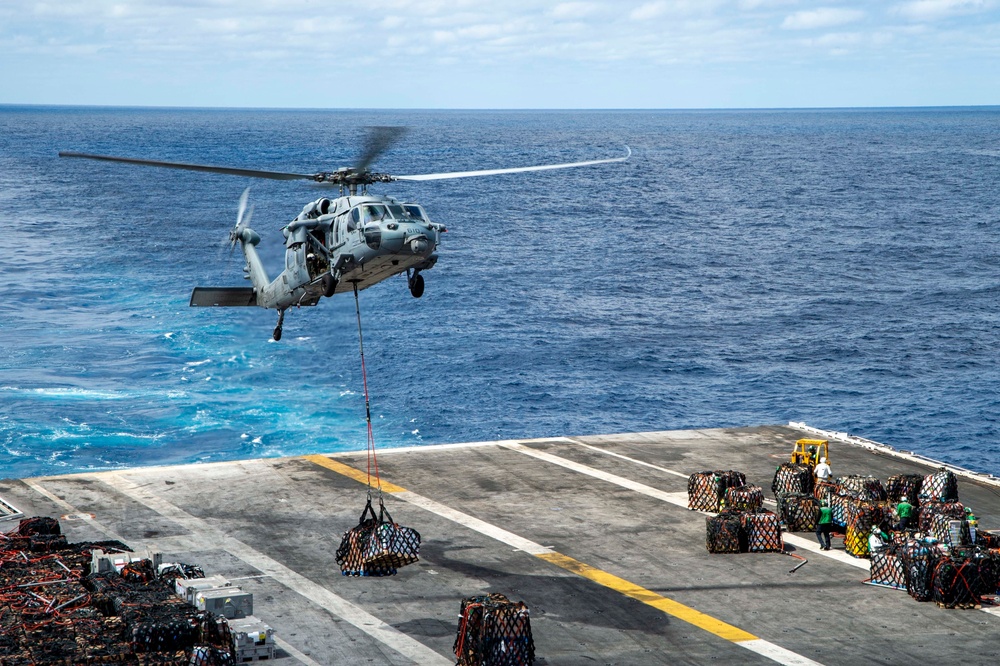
x=837, y=267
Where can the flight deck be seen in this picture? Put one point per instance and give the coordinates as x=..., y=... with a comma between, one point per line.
x=592, y=533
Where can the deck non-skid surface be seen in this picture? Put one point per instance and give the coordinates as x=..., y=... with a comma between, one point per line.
x=591, y=533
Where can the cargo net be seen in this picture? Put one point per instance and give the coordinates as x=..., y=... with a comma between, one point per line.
x=54, y=611
x=887, y=568
x=904, y=486
x=734, y=531
x=839, y=507
x=861, y=518
x=951, y=531
x=763, y=532
x=725, y=533
x=792, y=478
x=986, y=539
x=744, y=498
x=494, y=631
x=707, y=489
x=378, y=546
x=798, y=511
x=931, y=509
x=919, y=560
x=961, y=580
x=865, y=488
x=940, y=486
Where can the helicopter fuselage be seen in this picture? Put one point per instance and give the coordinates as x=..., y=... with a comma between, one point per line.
x=359, y=241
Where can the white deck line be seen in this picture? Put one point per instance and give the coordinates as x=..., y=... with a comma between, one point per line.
x=680, y=499
x=760, y=646
x=203, y=532
x=35, y=485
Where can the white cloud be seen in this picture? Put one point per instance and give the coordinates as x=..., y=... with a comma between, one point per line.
x=648, y=11
x=574, y=10
x=928, y=10
x=824, y=17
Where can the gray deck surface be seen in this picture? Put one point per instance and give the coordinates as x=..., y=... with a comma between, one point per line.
x=273, y=526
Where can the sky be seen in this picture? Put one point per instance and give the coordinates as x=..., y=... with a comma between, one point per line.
x=501, y=54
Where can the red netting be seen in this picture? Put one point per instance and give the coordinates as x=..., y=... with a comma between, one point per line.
x=378, y=546
x=862, y=517
x=798, y=511
x=961, y=582
x=763, y=532
x=707, y=489
x=725, y=533
x=792, y=478
x=941, y=486
x=53, y=612
x=986, y=539
x=744, y=498
x=494, y=631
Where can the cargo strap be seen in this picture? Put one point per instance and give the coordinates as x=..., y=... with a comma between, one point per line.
x=372, y=460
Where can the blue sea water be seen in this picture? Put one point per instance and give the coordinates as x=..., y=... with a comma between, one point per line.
x=838, y=267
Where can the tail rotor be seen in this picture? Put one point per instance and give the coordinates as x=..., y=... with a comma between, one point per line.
x=243, y=217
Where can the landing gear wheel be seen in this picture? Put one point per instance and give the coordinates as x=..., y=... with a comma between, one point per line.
x=417, y=285
x=329, y=285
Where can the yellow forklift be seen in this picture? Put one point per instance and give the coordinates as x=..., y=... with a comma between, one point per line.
x=809, y=451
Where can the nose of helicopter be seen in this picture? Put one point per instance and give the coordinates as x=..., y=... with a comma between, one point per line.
x=419, y=245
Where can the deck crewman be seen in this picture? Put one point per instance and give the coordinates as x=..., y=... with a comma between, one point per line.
x=905, y=511
x=824, y=525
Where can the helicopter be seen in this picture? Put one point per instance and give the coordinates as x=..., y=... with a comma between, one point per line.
x=346, y=243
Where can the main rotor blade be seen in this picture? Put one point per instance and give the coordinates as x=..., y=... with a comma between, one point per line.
x=493, y=172
x=379, y=140
x=252, y=173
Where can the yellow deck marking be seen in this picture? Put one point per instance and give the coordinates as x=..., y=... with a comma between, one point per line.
x=346, y=470
x=650, y=598
x=610, y=581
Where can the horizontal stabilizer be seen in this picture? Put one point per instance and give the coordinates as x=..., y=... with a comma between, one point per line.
x=223, y=297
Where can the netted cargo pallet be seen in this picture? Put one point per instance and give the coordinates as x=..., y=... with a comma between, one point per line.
x=725, y=533
x=919, y=560
x=763, y=532
x=866, y=488
x=494, y=631
x=792, y=478
x=930, y=509
x=951, y=531
x=54, y=612
x=798, y=511
x=941, y=486
x=744, y=498
x=824, y=491
x=987, y=539
x=706, y=490
x=887, y=569
x=904, y=486
x=961, y=582
x=378, y=546
x=839, y=502
x=862, y=518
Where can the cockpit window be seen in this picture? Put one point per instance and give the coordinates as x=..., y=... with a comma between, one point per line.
x=373, y=212
x=397, y=211
x=355, y=218
x=414, y=211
